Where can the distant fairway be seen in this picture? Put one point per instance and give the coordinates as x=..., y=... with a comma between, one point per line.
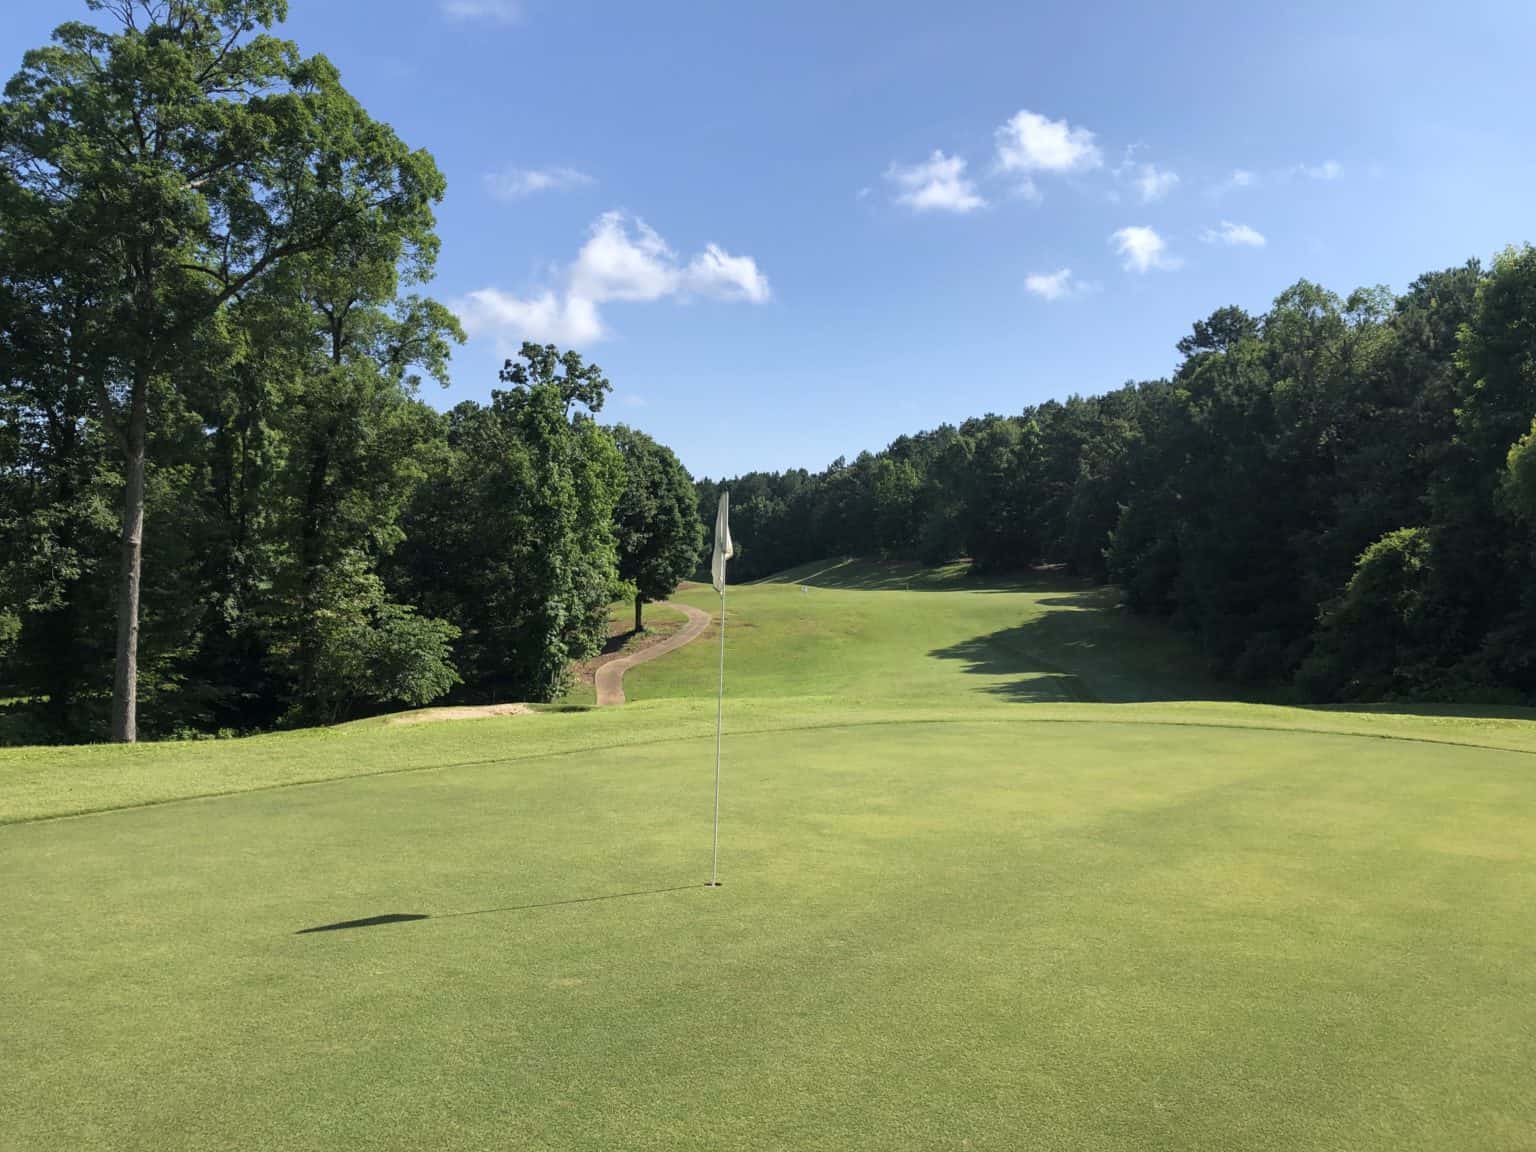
x=1001, y=873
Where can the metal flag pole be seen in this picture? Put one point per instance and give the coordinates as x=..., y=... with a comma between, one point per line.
x=723, y=552
x=714, y=863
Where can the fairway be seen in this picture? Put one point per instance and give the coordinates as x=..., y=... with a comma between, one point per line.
x=1002, y=871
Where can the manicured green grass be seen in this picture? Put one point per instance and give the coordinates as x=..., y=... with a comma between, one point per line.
x=998, y=875
x=819, y=632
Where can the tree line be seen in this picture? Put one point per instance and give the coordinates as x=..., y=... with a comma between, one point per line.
x=225, y=506
x=223, y=503
x=1337, y=497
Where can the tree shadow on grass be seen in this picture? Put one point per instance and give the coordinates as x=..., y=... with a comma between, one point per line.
x=858, y=575
x=408, y=917
x=1441, y=711
x=1085, y=647
x=1008, y=653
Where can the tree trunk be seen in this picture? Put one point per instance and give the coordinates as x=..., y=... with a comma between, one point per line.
x=312, y=569
x=639, y=604
x=125, y=686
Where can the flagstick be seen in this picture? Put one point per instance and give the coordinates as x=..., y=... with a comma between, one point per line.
x=714, y=864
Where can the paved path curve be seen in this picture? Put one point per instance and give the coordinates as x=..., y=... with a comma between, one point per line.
x=609, y=678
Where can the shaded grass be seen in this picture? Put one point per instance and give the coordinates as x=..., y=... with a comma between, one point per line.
x=856, y=574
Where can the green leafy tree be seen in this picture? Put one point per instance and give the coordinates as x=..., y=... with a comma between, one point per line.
x=1520, y=477
x=165, y=166
x=1372, y=640
x=57, y=488
x=357, y=445
x=1002, y=529
x=659, y=532
x=512, y=538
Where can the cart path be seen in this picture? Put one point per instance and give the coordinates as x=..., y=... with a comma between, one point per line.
x=609, y=679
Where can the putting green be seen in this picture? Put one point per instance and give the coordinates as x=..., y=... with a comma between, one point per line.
x=962, y=909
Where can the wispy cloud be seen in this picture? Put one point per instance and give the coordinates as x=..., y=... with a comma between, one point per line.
x=622, y=260
x=516, y=183
x=495, y=11
x=1327, y=170
x=938, y=184
x=1143, y=249
x=1058, y=285
x=1238, y=178
x=1245, y=178
x=1234, y=235
x=1153, y=183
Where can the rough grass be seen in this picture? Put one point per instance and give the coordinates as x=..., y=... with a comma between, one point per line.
x=998, y=876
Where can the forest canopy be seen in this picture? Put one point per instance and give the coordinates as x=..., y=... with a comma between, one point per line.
x=224, y=504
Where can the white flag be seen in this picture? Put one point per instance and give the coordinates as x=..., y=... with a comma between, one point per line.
x=723, y=550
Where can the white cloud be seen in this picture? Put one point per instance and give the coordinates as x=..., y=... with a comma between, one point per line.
x=515, y=183
x=1234, y=235
x=547, y=318
x=1327, y=170
x=937, y=184
x=1054, y=285
x=1153, y=183
x=715, y=272
x=1143, y=249
x=622, y=260
x=1029, y=142
x=496, y=11
x=615, y=265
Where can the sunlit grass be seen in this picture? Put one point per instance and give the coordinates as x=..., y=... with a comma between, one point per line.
x=999, y=873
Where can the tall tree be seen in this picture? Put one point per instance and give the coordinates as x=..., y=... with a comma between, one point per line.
x=357, y=440
x=512, y=538
x=658, y=525
x=170, y=163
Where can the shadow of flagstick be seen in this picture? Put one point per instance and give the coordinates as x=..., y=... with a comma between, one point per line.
x=365, y=922
x=408, y=917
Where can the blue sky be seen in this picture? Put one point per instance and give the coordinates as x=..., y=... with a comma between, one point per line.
x=792, y=231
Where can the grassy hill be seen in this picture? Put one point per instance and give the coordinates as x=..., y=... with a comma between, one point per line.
x=1002, y=870
x=932, y=637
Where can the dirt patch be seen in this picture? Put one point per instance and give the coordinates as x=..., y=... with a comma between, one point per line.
x=608, y=678
x=605, y=672
x=624, y=642
x=458, y=712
